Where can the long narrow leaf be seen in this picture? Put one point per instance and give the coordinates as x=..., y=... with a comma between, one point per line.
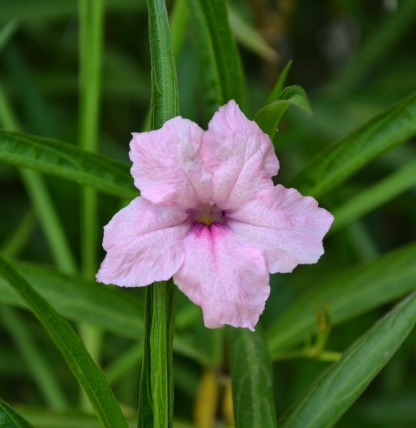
x=210, y=78
x=86, y=371
x=338, y=162
x=97, y=304
x=80, y=300
x=67, y=161
x=349, y=294
x=10, y=418
x=252, y=379
x=225, y=51
x=165, y=103
x=375, y=196
x=338, y=387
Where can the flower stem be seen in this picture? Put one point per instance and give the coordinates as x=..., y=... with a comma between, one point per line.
x=156, y=385
x=91, y=19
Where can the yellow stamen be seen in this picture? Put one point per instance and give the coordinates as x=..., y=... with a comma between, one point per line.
x=206, y=213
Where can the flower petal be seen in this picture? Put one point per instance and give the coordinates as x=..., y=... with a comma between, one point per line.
x=230, y=282
x=285, y=225
x=167, y=165
x=239, y=155
x=143, y=243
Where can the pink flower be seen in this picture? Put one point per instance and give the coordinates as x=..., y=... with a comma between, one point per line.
x=210, y=216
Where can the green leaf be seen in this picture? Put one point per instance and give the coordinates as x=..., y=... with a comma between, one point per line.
x=97, y=304
x=209, y=73
x=67, y=161
x=349, y=294
x=339, y=386
x=165, y=103
x=268, y=117
x=78, y=300
x=252, y=380
x=86, y=371
x=11, y=419
x=248, y=36
x=335, y=164
x=375, y=196
x=179, y=18
x=274, y=96
x=225, y=51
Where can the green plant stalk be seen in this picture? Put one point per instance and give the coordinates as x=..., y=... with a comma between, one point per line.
x=41, y=201
x=156, y=384
x=91, y=19
x=35, y=360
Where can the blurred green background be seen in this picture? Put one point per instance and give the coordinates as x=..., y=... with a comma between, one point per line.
x=354, y=58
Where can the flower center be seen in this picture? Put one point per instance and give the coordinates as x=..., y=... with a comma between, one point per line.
x=208, y=213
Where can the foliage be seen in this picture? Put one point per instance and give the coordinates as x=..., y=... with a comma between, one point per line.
x=342, y=116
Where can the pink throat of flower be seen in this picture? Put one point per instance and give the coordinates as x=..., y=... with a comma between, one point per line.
x=207, y=213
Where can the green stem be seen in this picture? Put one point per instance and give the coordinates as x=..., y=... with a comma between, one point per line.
x=156, y=386
x=91, y=17
x=91, y=20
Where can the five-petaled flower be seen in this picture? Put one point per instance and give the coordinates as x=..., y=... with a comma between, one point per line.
x=211, y=217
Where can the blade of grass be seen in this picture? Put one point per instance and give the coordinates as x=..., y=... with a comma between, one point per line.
x=86, y=371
